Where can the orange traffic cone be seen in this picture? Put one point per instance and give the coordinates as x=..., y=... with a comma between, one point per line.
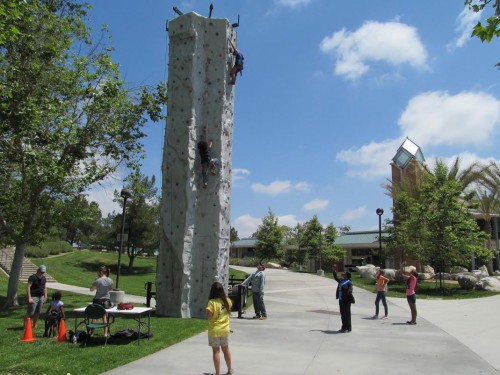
x=62, y=331
x=28, y=333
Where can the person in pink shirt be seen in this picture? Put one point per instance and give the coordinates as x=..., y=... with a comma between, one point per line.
x=381, y=289
x=411, y=297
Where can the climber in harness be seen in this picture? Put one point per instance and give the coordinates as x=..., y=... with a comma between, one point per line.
x=238, y=64
x=204, y=151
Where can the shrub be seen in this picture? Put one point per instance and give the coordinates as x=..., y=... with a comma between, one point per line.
x=45, y=249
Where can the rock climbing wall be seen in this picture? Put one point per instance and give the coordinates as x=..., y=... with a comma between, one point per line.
x=194, y=247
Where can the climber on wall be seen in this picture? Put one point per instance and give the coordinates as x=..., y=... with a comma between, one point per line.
x=238, y=64
x=204, y=150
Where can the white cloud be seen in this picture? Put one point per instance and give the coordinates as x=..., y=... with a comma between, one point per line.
x=246, y=225
x=316, y=204
x=466, y=159
x=438, y=118
x=302, y=186
x=466, y=21
x=102, y=193
x=292, y=3
x=288, y=220
x=392, y=42
x=371, y=160
x=279, y=187
x=240, y=173
x=354, y=214
x=430, y=119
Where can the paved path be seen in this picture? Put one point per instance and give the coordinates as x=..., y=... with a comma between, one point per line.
x=300, y=337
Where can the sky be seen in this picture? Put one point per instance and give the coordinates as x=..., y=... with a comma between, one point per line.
x=329, y=92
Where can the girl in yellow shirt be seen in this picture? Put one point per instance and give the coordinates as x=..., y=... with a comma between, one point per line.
x=218, y=314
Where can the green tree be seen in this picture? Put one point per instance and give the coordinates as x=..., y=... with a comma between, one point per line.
x=233, y=235
x=269, y=238
x=331, y=251
x=486, y=32
x=452, y=235
x=80, y=219
x=405, y=231
x=312, y=238
x=143, y=217
x=66, y=118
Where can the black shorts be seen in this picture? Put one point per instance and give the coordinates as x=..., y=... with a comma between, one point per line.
x=412, y=298
x=104, y=302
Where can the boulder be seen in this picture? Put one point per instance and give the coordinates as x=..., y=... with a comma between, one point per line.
x=458, y=269
x=367, y=272
x=425, y=276
x=480, y=273
x=466, y=281
x=429, y=269
x=444, y=275
x=495, y=273
x=272, y=265
x=491, y=284
x=390, y=273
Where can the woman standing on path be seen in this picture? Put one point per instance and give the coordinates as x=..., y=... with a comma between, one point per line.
x=411, y=296
x=381, y=289
x=218, y=314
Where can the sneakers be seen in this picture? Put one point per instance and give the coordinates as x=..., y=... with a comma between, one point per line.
x=256, y=317
x=375, y=317
x=385, y=317
x=263, y=318
x=411, y=323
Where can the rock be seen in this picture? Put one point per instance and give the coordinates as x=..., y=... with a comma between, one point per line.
x=491, y=284
x=272, y=265
x=467, y=282
x=445, y=276
x=496, y=273
x=429, y=269
x=480, y=273
x=390, y=273
x=458, y=269
x=424, y=276
x=367, y=272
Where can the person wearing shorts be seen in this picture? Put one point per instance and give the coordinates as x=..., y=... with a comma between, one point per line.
x=411, y=296
x=218, y=314
x=37, y=294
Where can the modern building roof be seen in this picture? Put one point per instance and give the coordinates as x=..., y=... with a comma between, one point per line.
x=407, y=152
x=245, y=242
x=364, y=239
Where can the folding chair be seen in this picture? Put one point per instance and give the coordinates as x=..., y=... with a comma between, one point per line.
x=94, y=312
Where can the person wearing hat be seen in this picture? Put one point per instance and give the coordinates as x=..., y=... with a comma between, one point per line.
x=37, y=293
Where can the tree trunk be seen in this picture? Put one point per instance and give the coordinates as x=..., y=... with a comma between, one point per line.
x=15, y=273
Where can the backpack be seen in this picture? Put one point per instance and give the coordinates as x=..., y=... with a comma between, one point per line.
x=125, y=306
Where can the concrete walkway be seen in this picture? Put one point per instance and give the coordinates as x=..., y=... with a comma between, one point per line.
x=300, y=336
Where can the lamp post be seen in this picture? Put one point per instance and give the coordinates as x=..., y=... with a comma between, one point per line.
x=380, y=212
x=125, y=194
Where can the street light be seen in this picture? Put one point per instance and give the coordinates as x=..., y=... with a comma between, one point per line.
x=125, y=194
x=380, y=212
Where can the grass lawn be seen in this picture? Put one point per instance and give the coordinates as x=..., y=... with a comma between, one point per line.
x=45, y=356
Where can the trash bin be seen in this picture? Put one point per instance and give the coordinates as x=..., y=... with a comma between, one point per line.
x=238, y=299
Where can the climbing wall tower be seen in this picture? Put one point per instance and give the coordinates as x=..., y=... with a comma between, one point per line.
x=194, y=244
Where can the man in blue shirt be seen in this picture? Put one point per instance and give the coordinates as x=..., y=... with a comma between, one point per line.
x=258, y=281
